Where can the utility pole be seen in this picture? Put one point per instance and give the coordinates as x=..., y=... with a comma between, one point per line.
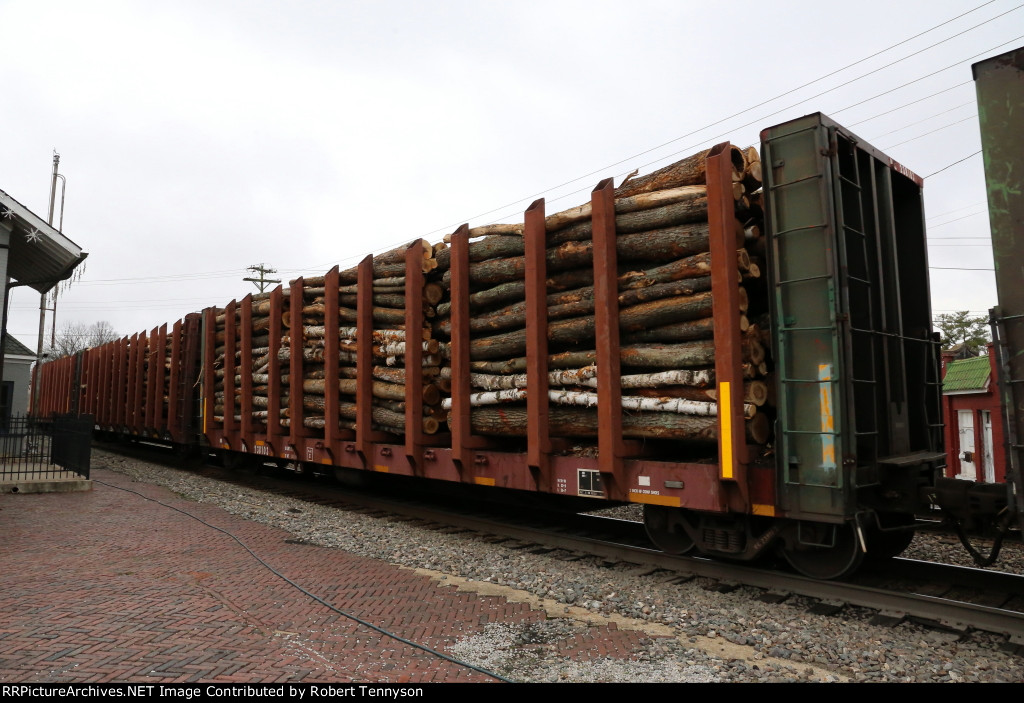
x=262, y=282
x=34, y=393
x=42, y=296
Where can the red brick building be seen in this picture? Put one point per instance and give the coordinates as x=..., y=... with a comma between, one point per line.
x=972, y=408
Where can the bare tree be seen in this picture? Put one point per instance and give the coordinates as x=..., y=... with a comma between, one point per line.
x=75, y=336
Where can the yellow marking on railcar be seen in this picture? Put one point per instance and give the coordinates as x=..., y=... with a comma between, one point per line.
x=381, y=467
x=483, y=480
x=325, y=461
x=670, y=501
x=768, y=510
x=828, y=425
x=725, y=421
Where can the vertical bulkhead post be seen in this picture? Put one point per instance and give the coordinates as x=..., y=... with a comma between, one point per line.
x=121, y=388
x=611, y=447
x=460, y=412
x=95, y=386
x=87, y=383
x=230, y=427
x=538, y=438
x=59, y=391
x=275, y=434
x=72, y=383
x=78, y=390
x=364, y=361
x=72, y=360
x=161, y=378
x=109, y=375
x=43, y=396
x=463, y=440
x=113, y=389
x=52, y=390
x=72, y=364
x=191, y=350
x=76, y=383
x=130, y=417
x=725, y=291
x=175, y=395
x=153, y=376
x=296, y=410
x=331, y=360
x=414, y=436
x=245, y=368
x=208, y=395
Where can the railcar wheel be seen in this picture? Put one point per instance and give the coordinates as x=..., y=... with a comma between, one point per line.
x=839, y=560
x=665, y=529
x=889, y=544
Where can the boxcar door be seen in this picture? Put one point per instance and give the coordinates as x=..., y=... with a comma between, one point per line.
x=965, y=423
x=987, y=463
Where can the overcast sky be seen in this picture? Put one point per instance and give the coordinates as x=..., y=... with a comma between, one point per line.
x=199, y=138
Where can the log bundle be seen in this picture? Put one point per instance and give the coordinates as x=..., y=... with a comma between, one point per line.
x=665, y=315
x=389, y=340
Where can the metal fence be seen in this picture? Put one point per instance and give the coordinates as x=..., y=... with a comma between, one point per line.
x=45, y=448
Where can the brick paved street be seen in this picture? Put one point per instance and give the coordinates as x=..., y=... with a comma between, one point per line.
x=107, y=586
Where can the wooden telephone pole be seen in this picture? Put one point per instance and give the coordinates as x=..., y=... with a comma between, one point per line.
x=262, y=282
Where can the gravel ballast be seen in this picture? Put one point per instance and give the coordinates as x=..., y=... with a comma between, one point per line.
x=695, y=635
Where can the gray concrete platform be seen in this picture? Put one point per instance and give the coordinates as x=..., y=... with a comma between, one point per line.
x=42, y=479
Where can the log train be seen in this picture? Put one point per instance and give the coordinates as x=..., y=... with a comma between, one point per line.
x=747, y=352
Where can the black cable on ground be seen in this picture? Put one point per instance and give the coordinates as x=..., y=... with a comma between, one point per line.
x=315, y=597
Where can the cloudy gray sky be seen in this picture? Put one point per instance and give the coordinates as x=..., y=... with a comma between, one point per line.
x=199, y=138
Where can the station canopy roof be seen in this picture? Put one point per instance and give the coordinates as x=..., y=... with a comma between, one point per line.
x=40, y=256
x=12, y=347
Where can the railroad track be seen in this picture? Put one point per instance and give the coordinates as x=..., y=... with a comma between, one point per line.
x=939, y=595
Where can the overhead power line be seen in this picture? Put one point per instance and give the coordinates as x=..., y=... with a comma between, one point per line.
x=757, y=121
x=959, y=268
x=912, y=102
x=773, y=99
x=925, y=119
x=762, y=119
x=950, y=212
x=938, y=129
x=956, y=219
x=948, y=166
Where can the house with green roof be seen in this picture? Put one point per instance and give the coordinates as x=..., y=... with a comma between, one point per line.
x=972, y=410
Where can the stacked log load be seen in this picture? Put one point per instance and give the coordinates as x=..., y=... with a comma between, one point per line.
x=165, y=373
x=665, y=311
x=144, y=342
x=389, y=340
x=665, y=317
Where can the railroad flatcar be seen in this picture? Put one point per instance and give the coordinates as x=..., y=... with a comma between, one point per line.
x=749, y=355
